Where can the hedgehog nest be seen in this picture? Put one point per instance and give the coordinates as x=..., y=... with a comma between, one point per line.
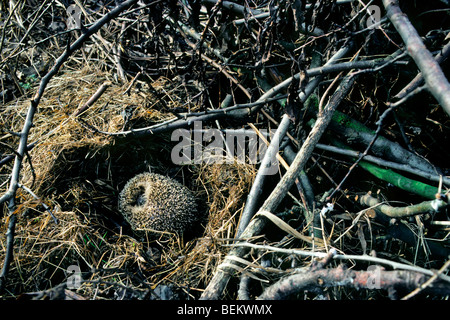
x=80, y=174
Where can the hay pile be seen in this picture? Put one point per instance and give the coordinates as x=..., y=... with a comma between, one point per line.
x=78, y=173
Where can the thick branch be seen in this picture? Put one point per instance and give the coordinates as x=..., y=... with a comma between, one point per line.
x=355, y=133
x=385, y=163
x=435, y=79
x=220, y=279
x=340, y=276
x=267, y=161
x=418, y=80
x=307, y=148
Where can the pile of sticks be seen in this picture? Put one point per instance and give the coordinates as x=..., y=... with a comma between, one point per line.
x=289, y=65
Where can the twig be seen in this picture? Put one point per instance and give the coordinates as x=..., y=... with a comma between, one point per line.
x=418, y=79
x=214, y=12
x=266, y=215
x=428, y=282
x=6, y=25
x=47, y=208
x=325, y=94
x=335, y=256
x=402, y=212
x=14, y=182
x=220, y=279
x=307, y=189
x=9, y=250
x=92, y=99
x=385, y=163
x=233, y=6
x=407, y=96
x=431, y=71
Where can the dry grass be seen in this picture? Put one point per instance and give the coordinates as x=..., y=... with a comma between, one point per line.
x=78, y=174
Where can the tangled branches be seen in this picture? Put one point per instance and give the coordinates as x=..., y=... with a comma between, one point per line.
x=359, y=169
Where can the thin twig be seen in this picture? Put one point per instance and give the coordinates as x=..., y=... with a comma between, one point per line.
x=46, y=207
x=92, y=99
x=418, y=79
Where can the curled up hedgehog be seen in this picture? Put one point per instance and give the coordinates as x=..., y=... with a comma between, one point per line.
x=150, y=201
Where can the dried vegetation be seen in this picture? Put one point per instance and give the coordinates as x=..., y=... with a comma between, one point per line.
x=161, y=65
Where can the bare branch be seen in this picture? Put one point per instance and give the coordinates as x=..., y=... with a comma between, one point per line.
x=402, y=212
x=219, y=281
x=437, y=83
x=340, y=276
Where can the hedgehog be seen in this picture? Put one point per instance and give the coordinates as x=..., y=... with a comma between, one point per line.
x=150, y=201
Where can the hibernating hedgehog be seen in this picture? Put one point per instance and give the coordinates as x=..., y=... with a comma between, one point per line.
x=150, y=201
